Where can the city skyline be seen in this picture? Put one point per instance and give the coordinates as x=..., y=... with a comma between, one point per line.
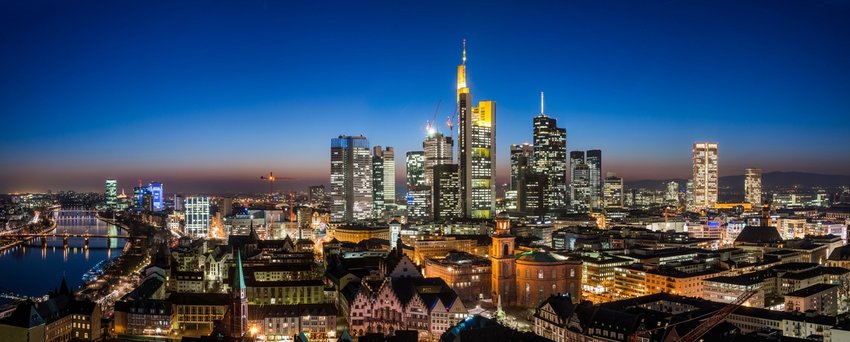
x=212, y=111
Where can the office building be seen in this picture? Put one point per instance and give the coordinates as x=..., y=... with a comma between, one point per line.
x=612, y=191
x=351, y=179
x=532, y=194
x=476, y=150
x=522, y=156
x=419, y=203
x=550, y=158
x=383, y=180
x=671, y=196
x=415, y=161
x=593, y=159
x=157, y=201
x=580, y=186
x=446, y=192
x=576, y=158
x=438, y=151
x=418, y=193
x=111, y=193
x=140, y=193
x=705, y=176
x=752, y=187
x=197, y=211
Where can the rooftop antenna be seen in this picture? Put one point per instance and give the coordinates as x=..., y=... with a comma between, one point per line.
x=541, y=103
x=464, y=51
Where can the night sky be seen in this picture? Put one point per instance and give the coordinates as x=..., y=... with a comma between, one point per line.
x=207, y=96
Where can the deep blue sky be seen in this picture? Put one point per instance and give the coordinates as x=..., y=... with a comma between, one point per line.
x=206, y=96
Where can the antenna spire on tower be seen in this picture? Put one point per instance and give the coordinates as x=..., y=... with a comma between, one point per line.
x=464, y=50
x=541, y=103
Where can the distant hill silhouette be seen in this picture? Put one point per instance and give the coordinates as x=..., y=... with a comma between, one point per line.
x=769, y=180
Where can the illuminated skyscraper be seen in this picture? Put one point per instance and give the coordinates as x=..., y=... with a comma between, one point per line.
x=415, y=161
x=672, y=194
x=197, y=210
x=550, y=158
x=383, y=180
x=752, y=188
x=705, y=175
x=156, y=196
x=476, y=150
x=418, y=193
x=351, y=179
x=438, y=151
x=580, y=186
x=593, y=159
x=111, y=193
x=612, y=191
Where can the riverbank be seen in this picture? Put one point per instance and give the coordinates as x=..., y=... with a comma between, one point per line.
x=7, y=245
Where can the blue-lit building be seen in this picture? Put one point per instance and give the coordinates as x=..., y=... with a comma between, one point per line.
x=139, y=195
x=156, y=196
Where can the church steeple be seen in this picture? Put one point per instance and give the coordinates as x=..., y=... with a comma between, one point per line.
x=238, y=301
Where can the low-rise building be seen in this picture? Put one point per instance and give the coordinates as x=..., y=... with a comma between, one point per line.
x=819, y=298
x=467, y=274
x=283, y=322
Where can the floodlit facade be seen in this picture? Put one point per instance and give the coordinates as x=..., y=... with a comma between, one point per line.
x=157, y=202
x=752, y=187
x=111, y=193
x=351, y=179
x=612, y=191
x=197, y=210
x=705, y=175
x=476, y=150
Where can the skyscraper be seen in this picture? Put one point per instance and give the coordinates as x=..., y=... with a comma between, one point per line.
x=671, y=196
x=197, y=211
x=446, y=192
x=593, y=159
x=351, y=179
x=383, y=180
x=156, y=196
x=418, y=193
x=476, y=150
x=550, y=157
x=576, y=158
x=438, y=151
x=705, y=175
x=111, y=194
x=522, y=157
x=389, y=178
x=531, y=196
x=580, y=187
x=613, y=191
x=415, y=161
x=752, y=188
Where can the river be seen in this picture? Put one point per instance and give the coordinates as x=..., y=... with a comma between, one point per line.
x=32, y=270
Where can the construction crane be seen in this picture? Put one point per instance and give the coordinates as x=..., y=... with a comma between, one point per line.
x=716, y=318
x=271, y=179
x=429, y=124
